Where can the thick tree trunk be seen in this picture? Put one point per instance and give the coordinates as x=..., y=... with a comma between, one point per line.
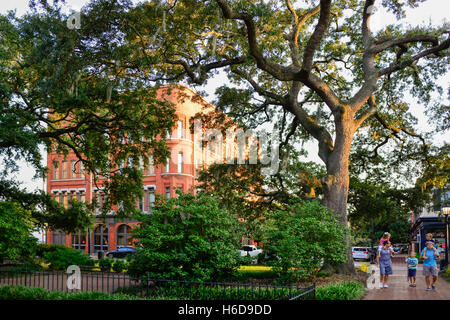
x=336, y=200
x=335, y=186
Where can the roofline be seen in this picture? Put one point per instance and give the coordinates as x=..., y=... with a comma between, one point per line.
x=178, y=86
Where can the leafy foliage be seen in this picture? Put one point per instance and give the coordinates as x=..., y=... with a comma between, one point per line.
x=16, y=225
x=381, y=208
x=69, y=92
x=213, y=291
x=46, y=212
x=300, y=238
x=119, y=266
x=44, y=247
x=188, y=237
x=242, y=189
x=105, y=264
x=62, y=258
x=341, y=291
x=25, y=293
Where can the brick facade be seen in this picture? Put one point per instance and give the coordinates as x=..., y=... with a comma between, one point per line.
x=63, y=183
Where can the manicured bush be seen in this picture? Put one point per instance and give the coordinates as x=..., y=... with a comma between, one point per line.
x=43, y=247
x=62, y=257
x=341, y=291
x=28, y=267
x=246, y=260
x=188, y=237
x=26, y=293
x=199, y=291
x=300, y=238
x=119, y=266
x=105, y=264
x=255, y=272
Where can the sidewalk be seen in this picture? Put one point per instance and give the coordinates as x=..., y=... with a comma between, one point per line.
x=399, y=288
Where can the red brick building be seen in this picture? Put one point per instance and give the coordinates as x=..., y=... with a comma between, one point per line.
x=67, y=179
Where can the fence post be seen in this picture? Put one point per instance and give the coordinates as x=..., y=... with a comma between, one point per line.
x=314, y=291
x=26, y=269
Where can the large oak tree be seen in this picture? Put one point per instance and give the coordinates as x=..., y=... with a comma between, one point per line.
x=314, y=63
x=318, y=61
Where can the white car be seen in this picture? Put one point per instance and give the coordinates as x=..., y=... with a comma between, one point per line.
x=250, y=250
x=361, y=253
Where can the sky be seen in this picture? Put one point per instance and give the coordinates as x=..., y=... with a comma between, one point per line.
x=434, y=11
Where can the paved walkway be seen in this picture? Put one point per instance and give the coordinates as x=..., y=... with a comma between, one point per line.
x=399, y=288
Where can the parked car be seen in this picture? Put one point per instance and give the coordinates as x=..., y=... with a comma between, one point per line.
x=120, y=252
x=361, y=253
x=250, y=250
x=397, y=249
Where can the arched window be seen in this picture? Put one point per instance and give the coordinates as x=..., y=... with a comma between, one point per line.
x=124, y=236
x=79, y=241
x=101, y=238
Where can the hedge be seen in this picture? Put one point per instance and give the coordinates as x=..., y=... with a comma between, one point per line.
x=341, y=291
x=27, y=293
x=197, y=291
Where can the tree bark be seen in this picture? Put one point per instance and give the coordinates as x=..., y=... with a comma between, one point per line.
x=336, y=183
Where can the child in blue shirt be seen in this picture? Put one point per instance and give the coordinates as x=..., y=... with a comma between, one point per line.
x=412, y=263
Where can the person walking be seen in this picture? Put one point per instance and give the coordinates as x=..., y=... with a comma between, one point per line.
x=384, y=262
x=412, y=263
x=429, y=256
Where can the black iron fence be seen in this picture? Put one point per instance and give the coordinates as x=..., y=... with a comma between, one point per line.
x=152, y=288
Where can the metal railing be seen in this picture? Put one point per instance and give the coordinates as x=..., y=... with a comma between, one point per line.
x=113, y=283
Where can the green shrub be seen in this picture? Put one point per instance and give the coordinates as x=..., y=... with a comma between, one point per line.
x=105, y=264
x=119, y=266
x=199, y=291
x=62, y=257
x=188, y=237
x=244, y=275
x=246, y=260
x=299, y=238
x=42, y=248
x=25, y=293
x=29, y=266
x=16, y=224
x=447, y=274
x=341, y=291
